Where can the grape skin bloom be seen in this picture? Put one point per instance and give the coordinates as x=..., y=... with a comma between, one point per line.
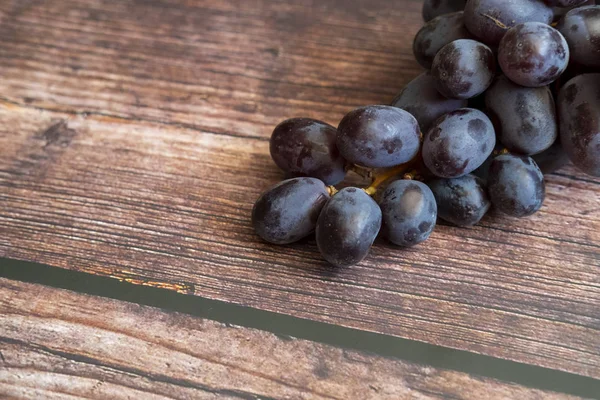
x=421, y=99
x=463, y=69
x=306, y=147
x=461, y=201
x=288, y=211
x=378, y=136
x=524, y=118
x=437, y=33
x=485, y=18
x=458, y=143
x=579, y=116
x=435, y=8
x=516, y=185
x=409, y=212
x=533, y=54
x=347, y=227
x=565, y=3
x=581, y=29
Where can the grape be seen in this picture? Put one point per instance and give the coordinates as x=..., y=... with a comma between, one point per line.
x=484, y=169
x=560, y=12
x=461, y=201
x=463, y=69
x=436, y=34
x=424, y=102
x=579, y=116
x=306, y=147
x=551, y=160
x=581, y=29
x=565, y=3
x=409, y=212
x=488, y=20
x=288, y=211
x=533, y=54
x=524, y=118
x=458, y=143
x=378, y=136
x=435, y=8
x=348, y=226
x=516, y=185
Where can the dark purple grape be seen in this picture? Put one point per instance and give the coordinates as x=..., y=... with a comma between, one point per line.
x=560, y=12
x=436, y=34
x=516, y=185
x=566, y=3
x=489, y=20
x=378, y=136
x=579, y=116
x=581, y=29
x=533, y=54
x=288, y=211
x=461, y=201
x=571, y=72
x=348, y=226
x=458, y=143
x=524, y=118
x=409, y=212
x=421, y=99
x=435, y=8
x=463, y=69
x=306, y=147
x=484, y=169
x=552, y=159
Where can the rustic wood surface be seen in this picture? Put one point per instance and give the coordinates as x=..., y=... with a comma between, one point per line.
x=60, y=344
x=134, y=141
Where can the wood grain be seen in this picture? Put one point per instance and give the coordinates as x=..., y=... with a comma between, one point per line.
x=60, y=344
x=133, y=143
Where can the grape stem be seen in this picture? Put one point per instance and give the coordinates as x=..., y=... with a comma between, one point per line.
x=501, y=152
x=384, y=176
x=360, y=171
x=412, y=175
x=496, y=21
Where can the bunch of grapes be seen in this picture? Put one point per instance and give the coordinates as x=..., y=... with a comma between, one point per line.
x=477, y=130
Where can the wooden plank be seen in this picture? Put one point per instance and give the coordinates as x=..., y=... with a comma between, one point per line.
x=60, y=344
x=133, y=144
x=231, y=67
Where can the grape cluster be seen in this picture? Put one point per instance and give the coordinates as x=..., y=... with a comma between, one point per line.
x=477, y=130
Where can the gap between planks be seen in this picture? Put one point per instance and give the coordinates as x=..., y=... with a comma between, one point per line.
x=22, y=276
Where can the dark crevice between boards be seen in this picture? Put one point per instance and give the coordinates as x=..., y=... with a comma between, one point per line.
x=287, y=327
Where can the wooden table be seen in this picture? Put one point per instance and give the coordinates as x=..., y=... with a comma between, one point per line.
x=133, y=143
